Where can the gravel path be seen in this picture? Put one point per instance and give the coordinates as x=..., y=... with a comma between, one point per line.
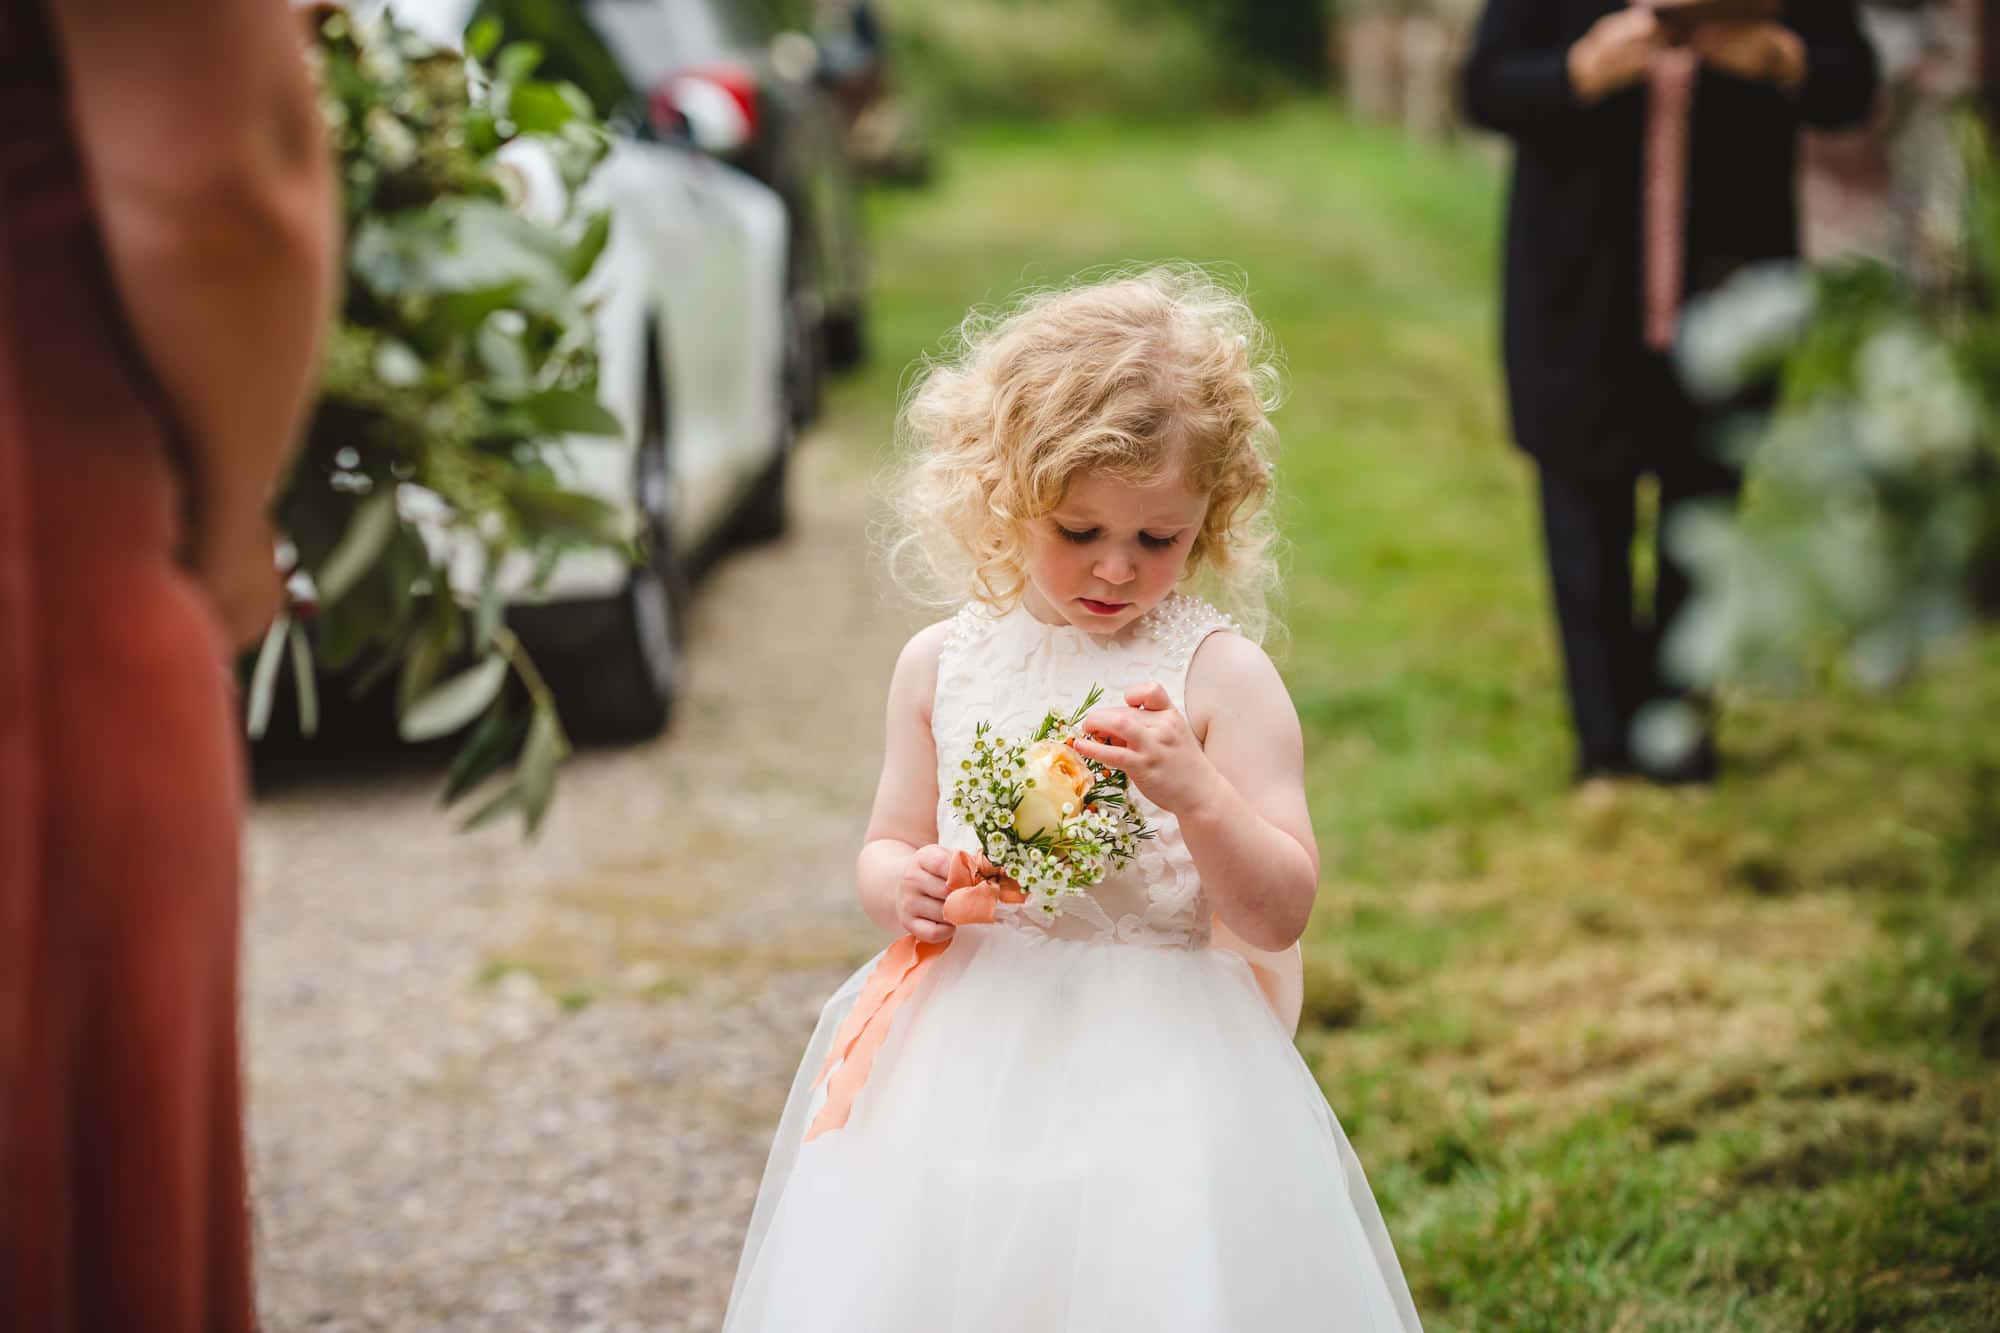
x=506, y=1086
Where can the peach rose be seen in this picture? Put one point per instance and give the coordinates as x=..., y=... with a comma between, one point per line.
x=1058, y=781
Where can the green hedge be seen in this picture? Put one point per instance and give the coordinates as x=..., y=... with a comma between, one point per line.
x=1036, y=59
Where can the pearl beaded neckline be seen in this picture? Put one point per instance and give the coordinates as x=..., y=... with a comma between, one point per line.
x=1177, y=623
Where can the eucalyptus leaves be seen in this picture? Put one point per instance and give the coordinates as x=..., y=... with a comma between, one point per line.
x=1055, y=822
x=462, y=354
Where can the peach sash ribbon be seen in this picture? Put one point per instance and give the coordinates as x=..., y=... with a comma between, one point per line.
x=1663, y=218
x=969, y=901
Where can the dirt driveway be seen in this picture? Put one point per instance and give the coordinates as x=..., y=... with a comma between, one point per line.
x=508, y=1086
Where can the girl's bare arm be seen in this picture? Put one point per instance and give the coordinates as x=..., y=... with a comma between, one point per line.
x=892, y=877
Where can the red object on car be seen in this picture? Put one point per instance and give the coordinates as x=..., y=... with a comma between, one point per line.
x=717, y=105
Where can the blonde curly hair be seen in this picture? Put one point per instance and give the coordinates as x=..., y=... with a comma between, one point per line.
x=1141, y=374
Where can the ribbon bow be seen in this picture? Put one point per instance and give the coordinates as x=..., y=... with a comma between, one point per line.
x=970, y=900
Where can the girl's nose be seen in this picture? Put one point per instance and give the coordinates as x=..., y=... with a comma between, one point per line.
x=1114, y=569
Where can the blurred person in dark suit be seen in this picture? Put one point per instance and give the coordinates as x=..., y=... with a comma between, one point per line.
x=167, y=257
x=1655, y=147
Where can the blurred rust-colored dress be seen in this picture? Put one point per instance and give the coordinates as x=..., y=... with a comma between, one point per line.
x=122, y=1195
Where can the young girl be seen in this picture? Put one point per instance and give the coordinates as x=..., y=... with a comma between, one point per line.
x=1094, y=1121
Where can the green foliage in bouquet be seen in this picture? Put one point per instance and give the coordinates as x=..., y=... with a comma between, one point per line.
x=1870, y=535
x=462, y=355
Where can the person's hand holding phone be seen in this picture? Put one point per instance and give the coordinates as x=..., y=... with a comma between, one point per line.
x=1757, y=50
x=1733, y=36
x=1615, y=53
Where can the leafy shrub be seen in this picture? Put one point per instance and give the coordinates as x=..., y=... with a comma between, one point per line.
x=1872, y=528
x=1037, y=59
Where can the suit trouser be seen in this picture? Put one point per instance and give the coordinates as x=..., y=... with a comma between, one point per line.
x=1610, y=640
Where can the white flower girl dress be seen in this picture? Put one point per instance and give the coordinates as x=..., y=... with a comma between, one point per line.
x=1094, y=1122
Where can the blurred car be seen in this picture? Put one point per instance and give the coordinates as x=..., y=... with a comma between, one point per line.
x=690, y=310
x=749, y=96
x=885, y=139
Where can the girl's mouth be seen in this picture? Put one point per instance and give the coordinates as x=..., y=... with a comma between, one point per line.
x=1098, y=608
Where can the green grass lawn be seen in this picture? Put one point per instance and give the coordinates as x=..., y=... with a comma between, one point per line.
x=1718, y=1060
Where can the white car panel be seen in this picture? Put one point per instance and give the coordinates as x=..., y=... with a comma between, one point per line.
x=696, y=258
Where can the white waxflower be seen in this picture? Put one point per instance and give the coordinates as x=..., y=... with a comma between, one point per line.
x=1744, y=324
x=389, y=139
x=1916, y=410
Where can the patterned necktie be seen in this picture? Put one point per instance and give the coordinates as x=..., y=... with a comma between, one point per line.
x=1663, y=226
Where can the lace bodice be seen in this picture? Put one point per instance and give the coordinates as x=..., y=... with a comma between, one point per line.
x=1011, y=669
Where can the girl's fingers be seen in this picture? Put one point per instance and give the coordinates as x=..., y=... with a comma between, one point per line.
x=1115, y=723
x=1111, y=756
x=925, y=919
x=1149, y=695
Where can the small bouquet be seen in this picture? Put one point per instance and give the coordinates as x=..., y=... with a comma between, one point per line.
x=1053, y=821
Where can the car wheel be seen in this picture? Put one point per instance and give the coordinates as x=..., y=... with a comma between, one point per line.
x=805, y=359
x=846, y=336
x=765, y=512
x=616, y=665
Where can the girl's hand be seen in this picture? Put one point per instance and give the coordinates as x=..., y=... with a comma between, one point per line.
x=921, y=892
x=1150, y=740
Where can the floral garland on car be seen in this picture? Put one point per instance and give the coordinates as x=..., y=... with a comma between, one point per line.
x=460, y=357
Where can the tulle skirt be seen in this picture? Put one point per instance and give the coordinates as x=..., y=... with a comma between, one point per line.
x=1061, y=1137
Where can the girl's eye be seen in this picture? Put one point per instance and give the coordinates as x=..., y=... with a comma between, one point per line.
x=1087, y=535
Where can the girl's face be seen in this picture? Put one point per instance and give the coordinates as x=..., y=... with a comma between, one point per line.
x=1110, y=551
